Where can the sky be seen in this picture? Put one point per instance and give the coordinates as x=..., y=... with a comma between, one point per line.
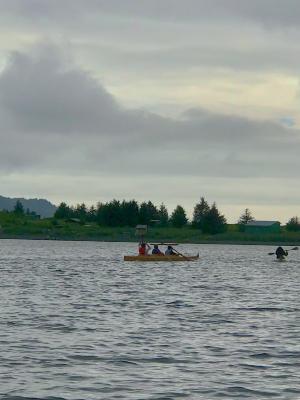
x=161, y=100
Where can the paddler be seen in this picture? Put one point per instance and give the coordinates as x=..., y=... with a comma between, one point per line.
x=157, y=251
x=280, y=253
x=170, y=252
x=144, y=249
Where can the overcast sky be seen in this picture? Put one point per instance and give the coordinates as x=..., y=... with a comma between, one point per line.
x=162, y=100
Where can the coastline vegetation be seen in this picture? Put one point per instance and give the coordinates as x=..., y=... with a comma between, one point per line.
x=22, y=224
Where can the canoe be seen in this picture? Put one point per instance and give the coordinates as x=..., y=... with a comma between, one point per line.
x=155, y=258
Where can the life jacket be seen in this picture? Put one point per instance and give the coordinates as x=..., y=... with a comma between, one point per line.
x=142, y=251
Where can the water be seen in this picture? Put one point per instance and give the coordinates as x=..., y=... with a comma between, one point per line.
x=79, y=323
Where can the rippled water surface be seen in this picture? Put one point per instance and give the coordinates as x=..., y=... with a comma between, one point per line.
x=79, y=323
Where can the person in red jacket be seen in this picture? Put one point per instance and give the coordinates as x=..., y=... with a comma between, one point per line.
x=144, y=249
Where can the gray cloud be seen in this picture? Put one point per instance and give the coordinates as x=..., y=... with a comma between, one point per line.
x=63, y=119
x=66, y=123
x=278, y=12
x=38, y=93
x=278, y=57
x=148, y=38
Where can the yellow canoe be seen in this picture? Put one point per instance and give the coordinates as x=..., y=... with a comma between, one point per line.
x=155, y=258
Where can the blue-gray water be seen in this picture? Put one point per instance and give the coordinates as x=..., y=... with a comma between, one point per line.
x=79, y=323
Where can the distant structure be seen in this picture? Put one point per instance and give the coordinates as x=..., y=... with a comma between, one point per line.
x=141, y=231
x=75, y=220
x=262, y=227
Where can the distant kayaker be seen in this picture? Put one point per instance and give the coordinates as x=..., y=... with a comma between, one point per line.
x=170, y=251
x=157, y=251
x=280, y=253
x=144, y=249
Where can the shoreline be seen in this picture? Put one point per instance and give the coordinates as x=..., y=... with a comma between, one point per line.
x=215, y=242
x=26, y=228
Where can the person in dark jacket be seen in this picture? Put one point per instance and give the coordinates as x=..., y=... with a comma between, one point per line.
x=280, y=253
x=170, y=252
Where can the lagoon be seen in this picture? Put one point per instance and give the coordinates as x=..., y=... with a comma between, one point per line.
x=79, y=323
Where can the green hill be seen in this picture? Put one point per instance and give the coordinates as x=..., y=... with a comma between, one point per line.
x=41, y=207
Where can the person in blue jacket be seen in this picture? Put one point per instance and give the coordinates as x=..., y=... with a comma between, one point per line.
x=157, y=251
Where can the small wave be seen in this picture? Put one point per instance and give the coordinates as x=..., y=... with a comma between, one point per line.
x=288, y=364
x=239, y=334
x=291, y=390
x=162, y=360
x=56, y=327
x=178, y=303
x=261, y=355
x=242, y=391
x=8, y=397
x=125, y=361
x=84, y=357
x=254, y=366
x=142, y=360
x=264, y=309
x=170, y=396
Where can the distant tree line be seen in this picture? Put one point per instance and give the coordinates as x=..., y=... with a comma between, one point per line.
x=115, y=213
x=293, y=224
x=130, y=213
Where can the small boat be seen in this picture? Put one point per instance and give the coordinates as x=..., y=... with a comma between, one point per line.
x=155, y=258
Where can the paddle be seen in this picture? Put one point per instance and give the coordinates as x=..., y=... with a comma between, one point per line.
x=294, y=248
x=165, y=244
x=179, y=253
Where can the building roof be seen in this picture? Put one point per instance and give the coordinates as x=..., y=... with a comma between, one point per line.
x=262, y=223
x=74, y=219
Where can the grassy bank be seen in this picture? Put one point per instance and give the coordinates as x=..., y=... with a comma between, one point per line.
x=24, y=227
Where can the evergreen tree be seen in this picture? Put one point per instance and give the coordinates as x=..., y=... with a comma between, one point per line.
x=72, y=212
x=91, y=215
x=178, y=217
x=200, y=211
x=244, y=219
x=214, y=222
x=63, y=211
x=31, y=214
x=99, y=213
x=80, y=212
x=163, y=215
x=147, y=213
x=143, y=214
x=111, y=213
x=129, y=213
x=19, y=209
x=293, y=225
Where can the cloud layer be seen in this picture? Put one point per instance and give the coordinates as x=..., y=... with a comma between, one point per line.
x=192, y=98
x=63, y=117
